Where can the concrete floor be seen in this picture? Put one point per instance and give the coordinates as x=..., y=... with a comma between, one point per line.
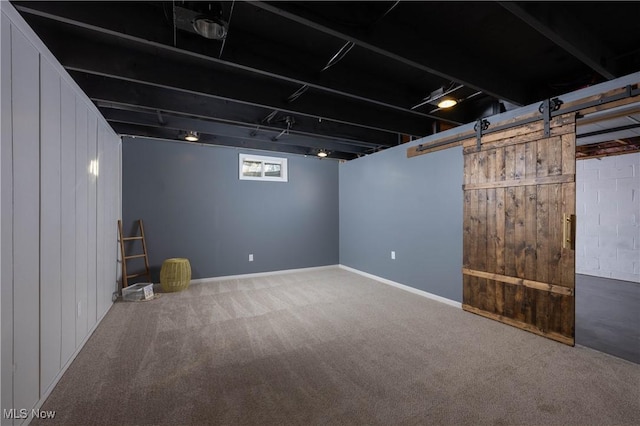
x=608, y=316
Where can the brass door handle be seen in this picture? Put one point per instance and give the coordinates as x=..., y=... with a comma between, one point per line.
x=569, y=231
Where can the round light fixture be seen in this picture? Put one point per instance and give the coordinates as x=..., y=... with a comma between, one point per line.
x=192, y=136
x=447, y=103
x=322, y=153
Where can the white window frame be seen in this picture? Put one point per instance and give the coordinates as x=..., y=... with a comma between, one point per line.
x=284, y=175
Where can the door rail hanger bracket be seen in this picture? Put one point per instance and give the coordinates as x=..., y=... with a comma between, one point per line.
x=547, y=107
x=481, y=126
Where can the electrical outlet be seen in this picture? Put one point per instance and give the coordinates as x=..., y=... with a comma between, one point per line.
x=393, y=254
x=250, y=258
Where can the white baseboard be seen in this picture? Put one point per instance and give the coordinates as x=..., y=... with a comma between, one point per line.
x=347, y=268
x=261, y=274
x=404, y=287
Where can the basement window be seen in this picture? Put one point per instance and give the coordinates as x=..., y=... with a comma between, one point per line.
x=258, y=167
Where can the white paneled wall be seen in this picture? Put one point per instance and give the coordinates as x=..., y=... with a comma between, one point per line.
x=608, y=209
x=61, y=198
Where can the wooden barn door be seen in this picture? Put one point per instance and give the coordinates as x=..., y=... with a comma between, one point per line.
x=519, y=224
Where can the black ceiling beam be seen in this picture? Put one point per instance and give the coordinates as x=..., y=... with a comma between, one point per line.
x=223, y=130
x=242, y=49
x=104, y=89
x=125, y=129
x=275, y=64
x=551, y=21
x=119, y=111
x=225, y=82
x=434, y=59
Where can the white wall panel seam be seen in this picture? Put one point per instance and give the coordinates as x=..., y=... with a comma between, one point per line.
x=60, y=224
x=40, y=223
x=13, y=203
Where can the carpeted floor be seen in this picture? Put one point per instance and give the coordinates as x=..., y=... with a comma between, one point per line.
x=330, y=347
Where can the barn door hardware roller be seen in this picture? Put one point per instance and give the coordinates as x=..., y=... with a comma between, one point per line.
x=546, y=108
x=569, y=231
x=481, y=126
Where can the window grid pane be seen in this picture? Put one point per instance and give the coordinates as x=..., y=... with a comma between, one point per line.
x=273, y=169
x=252, y=168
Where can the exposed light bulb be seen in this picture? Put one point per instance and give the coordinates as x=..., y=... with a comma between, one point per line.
x=214, y=29
x=192, y=136
x=447, y=103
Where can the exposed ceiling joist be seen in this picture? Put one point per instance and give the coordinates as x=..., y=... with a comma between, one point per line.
x=255, y=56
x=134, y=130
x=353, y=76
x=260, y=134
x=551, y=21
x=607, y=149
x=123, y=92
x=259, y=56
x=438, y=61
x=231, y=85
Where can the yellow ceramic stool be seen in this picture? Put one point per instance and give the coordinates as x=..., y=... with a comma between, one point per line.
x=175, y=274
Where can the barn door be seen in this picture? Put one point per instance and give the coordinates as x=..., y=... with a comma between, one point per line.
x=519, y=222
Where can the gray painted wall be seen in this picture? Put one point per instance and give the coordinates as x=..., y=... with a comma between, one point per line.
x=410, y=205
x=193, y=205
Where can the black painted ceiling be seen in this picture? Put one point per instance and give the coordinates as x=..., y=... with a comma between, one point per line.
x=271, y=83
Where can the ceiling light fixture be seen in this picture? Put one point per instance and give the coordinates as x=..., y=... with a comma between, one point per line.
x=447, y=103
x=440, y=97
x=211, y=28
x=322, y=153
x=192, y=136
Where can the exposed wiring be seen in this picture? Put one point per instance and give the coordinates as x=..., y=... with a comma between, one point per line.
x=175, y=43
x=228, y=26
x=270, y=117
x=393, y=6
x=353, y=24
x=339, y=55
x=298, y=93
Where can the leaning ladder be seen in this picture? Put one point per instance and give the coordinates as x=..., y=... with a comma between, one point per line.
x=125, y=257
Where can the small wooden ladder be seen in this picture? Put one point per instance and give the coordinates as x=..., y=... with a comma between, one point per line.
x=123, y=240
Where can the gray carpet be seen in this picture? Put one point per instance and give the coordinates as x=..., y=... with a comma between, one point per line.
x=330, y=347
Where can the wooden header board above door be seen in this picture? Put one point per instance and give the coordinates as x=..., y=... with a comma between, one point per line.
x=518, y=188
